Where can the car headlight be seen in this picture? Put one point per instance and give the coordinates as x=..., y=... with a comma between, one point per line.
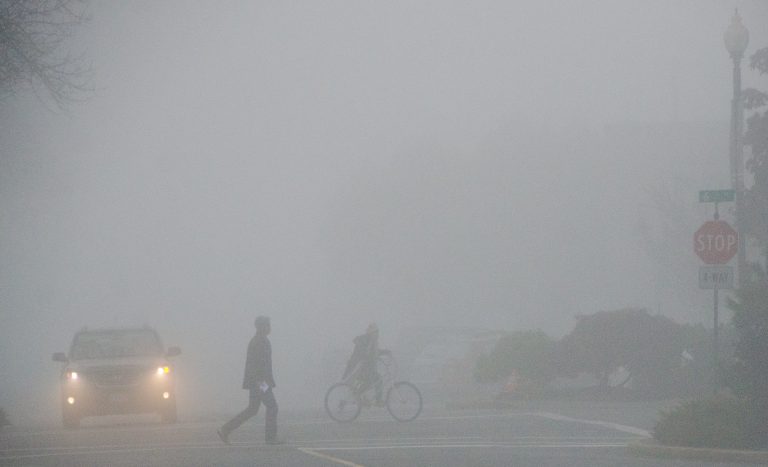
x=72, y=376
x=163, y=370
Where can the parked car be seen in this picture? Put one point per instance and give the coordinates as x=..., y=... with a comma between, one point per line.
x=117, y=371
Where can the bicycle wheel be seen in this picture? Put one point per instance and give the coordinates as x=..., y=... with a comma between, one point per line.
x=341, y=403
x=404, y=401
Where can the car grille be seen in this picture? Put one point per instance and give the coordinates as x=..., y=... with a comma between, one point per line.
x=117, y=376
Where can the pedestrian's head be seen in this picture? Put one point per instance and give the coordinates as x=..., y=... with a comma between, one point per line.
x=372, y=329
x=262, y=325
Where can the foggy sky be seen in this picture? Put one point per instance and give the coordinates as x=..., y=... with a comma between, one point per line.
x=334, y=163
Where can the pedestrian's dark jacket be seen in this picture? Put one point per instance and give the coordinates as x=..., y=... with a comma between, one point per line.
x=258, y=363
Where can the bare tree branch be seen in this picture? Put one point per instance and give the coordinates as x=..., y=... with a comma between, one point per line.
x=33, y=36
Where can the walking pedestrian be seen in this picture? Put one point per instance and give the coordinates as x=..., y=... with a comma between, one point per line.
x=260, y=382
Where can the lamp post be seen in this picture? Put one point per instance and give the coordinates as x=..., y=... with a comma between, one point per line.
x=736, y=39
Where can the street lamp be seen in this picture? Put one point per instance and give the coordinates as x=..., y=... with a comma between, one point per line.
x=736, y=39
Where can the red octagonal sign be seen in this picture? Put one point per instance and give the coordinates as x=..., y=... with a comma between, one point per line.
x=716, y=242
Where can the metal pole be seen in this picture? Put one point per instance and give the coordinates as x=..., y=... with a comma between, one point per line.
x=716, y=329
x=716, y=346
x=737, y=167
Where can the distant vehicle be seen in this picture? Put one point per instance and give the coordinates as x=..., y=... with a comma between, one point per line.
x=117, y=371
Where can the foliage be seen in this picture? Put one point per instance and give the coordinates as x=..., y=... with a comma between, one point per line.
x=648, y=347
x=3, y=418
x=754, y=99
x=696, y=375
x=759, y=61
x=32, y=34
x=756, y=138
x=750, y=320
x=719, y=422
x=528, y=354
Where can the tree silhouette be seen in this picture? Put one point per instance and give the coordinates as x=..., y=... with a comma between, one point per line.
x=32, y=53
x=756, y=138
x=648, y=347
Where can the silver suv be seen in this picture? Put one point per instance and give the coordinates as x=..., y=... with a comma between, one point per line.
x=117, y=371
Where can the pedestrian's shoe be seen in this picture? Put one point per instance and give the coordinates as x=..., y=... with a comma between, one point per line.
x=223, y=436
x=276, y=441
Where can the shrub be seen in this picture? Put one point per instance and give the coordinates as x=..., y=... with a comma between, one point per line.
x=3, y=418
x=527, y=354
x=647, y=346
x=719, y=422
x=750, y=319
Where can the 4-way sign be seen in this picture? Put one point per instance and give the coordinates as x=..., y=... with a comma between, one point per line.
x=716, y=277
x=716, y=242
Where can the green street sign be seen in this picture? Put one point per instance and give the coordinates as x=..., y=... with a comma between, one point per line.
x=716, y=196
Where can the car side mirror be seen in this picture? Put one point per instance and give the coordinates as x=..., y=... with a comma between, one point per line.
x=60, y=357
x=173, y=351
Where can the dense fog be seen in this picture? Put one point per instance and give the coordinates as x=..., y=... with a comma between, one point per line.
x=490, y=164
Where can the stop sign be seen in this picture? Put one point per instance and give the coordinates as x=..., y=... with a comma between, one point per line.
x=716, y=242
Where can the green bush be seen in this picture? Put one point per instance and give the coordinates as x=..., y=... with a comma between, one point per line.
x=750, y=319
x=719, y=422
x=647, y=346
x=527, y=354
x=3, y=418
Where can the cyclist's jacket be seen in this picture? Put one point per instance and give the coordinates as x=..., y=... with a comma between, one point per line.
x=365, y=353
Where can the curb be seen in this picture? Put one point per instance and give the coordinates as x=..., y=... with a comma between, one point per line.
x=649, y=448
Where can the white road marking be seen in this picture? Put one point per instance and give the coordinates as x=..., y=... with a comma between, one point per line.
x=486, y=441
x=470, y=445
x=359, y=440
x=111, y=446
x=141, y=428
x=106, y=451
x=614, y=426
x=388, y=419
x=314, y=453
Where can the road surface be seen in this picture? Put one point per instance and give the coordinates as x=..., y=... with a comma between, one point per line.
x=521, y=437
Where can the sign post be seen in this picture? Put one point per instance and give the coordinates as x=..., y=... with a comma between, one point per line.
x=716, y=243
x=716, y=278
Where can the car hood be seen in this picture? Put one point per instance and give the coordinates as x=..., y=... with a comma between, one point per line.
x=113, y=362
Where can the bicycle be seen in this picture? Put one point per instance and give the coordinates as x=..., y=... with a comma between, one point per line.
x=344, y=400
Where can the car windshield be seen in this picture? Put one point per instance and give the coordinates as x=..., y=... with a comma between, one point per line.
x=116, y=344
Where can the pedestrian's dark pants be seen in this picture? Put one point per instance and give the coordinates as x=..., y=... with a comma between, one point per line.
x=256, y=398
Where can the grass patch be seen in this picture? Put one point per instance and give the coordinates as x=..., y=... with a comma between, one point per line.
x=718, y=422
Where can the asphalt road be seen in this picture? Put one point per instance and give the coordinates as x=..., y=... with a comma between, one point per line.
x=529, y=436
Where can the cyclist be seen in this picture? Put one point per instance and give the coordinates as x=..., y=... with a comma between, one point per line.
x=362, y=363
